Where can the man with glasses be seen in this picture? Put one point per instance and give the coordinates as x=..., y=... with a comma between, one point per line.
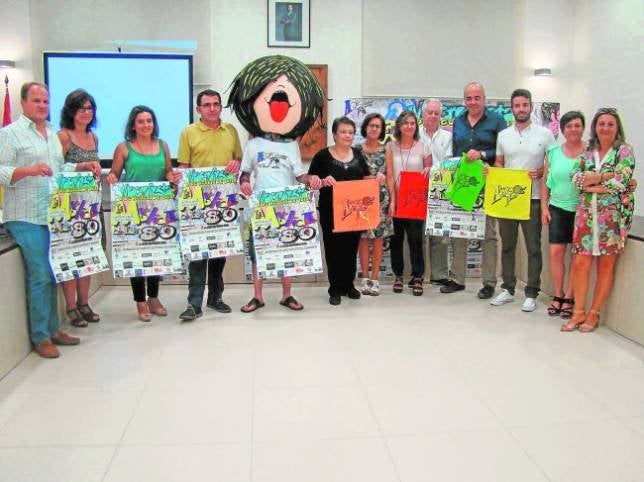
x=474, y=134
x=438, y=143
x=206, y=143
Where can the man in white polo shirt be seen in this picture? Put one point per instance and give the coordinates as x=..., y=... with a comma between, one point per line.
x=522, y=146
x=438, y=143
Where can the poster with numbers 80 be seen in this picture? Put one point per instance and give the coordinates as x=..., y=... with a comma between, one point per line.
x=145, y=230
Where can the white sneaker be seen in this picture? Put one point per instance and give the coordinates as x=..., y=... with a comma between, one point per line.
x=502, y=298
x=530, y=304
x=375, y=287
x=365, y=288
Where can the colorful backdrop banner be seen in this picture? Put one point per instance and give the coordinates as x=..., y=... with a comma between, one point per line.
x=75, y=227
x=411, y=198
x=508, y=193
x=466, y=184
x=145, y=230
x=285, y=230
x=356, y=205
x=208, y=206
x=443, y=217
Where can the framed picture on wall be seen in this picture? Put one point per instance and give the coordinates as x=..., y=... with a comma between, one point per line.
x=289, y=23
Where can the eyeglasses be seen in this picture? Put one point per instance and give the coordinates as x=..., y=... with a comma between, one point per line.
x=211, y=105
x=86, y=110
x=607, y=110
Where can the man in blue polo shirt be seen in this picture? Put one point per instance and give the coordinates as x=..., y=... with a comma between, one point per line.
x=474, y=133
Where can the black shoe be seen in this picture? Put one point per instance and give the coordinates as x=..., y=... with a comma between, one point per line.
x=190, y=313
x=220, y=306
x=486, y=292
x=452, y=287
x=335, y=300
x=439, y=282
x=354, y=294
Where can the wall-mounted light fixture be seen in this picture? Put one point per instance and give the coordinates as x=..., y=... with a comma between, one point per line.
x=7, y=64
x=543, y=72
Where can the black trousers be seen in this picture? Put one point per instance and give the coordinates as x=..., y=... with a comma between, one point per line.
x=340, y=252
x=415, y=230
x=197, y=281
x=139, y=287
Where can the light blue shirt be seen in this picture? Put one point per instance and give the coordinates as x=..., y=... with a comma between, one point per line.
x=21, y=145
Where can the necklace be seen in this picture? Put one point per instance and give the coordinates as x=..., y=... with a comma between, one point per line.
x=403, y=161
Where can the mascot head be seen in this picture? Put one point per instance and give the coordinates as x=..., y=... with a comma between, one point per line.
x=276, y=95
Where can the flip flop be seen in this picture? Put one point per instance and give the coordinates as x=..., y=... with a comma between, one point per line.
x=252, y=305
x=292, y=304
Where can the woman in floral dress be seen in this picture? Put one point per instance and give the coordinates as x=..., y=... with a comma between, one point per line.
x=604, y=213
x=373, y=131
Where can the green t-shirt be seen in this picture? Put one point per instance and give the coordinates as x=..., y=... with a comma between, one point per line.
x=144, y=167
x=563, y=193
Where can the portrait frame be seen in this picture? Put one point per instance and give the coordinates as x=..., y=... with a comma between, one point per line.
x=288, y=23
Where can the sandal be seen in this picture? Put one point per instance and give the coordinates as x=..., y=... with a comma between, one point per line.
x=76, y=318
x=417, y=288
x=590, y=325
x=566, y=313
x=398, y=285
x=143, y=310
x=88, y=313
x=578, y=318
x=252, y=305
x=292, y=304
x=554, y=310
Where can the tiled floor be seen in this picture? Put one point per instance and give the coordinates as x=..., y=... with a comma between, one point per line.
x=387, y=389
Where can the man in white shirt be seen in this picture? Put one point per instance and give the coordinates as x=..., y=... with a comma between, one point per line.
x=522, y=146
x=438, y=143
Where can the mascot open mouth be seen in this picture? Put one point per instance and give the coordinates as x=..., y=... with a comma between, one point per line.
x=279, y=106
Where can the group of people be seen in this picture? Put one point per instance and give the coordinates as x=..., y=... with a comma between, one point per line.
x=586, y=199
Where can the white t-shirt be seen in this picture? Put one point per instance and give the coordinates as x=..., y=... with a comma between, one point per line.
x=407, y=159
x=275, y=164
x=525, y=150
x=439, y=145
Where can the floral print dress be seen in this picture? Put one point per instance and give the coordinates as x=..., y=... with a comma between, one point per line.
x=376, y=163
x=603, y=220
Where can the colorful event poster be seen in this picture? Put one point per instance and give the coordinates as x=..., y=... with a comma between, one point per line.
x=443, y=217
x=208, y=206
x=508, y=193
x=145, y=230
x=356, y=205
x=411, y=198
x=286, y=233
x=466, y=185
x=75, y=227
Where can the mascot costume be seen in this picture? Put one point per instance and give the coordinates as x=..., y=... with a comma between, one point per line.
x=277, y=99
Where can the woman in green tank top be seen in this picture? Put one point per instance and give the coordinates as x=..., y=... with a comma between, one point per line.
x=146, y=158
x=559, y=199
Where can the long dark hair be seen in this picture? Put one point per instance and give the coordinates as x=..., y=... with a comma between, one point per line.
x=73, y=102
x=129, y=126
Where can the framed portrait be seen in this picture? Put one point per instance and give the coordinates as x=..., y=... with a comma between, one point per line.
x=289, y=23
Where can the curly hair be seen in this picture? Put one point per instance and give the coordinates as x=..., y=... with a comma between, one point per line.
x=74, y=101
x=252, y=79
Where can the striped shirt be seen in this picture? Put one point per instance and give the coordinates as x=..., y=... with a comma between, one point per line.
x=21, y=145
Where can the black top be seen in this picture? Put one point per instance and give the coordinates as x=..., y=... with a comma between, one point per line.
x=324, y=164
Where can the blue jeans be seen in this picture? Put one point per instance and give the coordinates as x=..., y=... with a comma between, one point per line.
x=42, y=291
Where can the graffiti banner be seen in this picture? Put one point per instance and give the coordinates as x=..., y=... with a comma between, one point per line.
x=411, y=198
x=467, y=184
x=209, y=214
x=286, y=234
x=443, y=217
x=356, y=205
x=145, y=230
x=75, y=227
x=544, y=113
x=508, y=193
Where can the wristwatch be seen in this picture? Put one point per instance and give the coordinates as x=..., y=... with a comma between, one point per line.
x=483, y=155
